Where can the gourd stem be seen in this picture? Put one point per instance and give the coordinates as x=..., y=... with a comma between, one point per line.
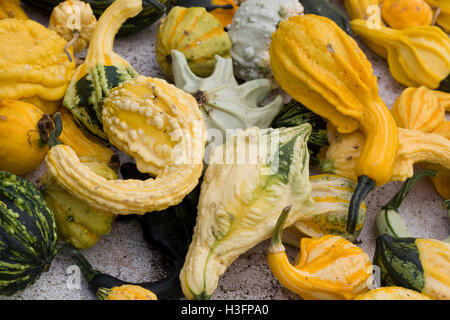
x=86, y=268
x=397, y=200
x=76, y=35
x=276, y=241
x=56, y=132
x=365, y=185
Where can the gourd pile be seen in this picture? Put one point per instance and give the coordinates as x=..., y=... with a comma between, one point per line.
x=255, y=94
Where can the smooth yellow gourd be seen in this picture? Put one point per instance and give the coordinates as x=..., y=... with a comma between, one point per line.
x=401, y=14
x=417, y=56
x=361, y=9
x=12, y=9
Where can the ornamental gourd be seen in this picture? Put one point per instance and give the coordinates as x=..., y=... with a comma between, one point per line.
x=157, y=124
x=414, y=147
x=402, y=14
x=392, y=293
x=327, y=9
x=331, y=195
x=250, y=32
x=152, y=11
x=361, y=9
x=27, y=234
x=331, y=76
x=326, y=268
x=194, y=32
x=24, y=134
x=126, y=292
x=240, y=200
x=225, y=104
x=413, y=263
x=33, y=64
x=74, y=21
x=223, y=10
x=417, y=56
x=12, y=9
x=102, y=69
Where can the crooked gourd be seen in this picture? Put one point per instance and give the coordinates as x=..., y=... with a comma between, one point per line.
x=331, y=76
x=102, y=69
x=240, y=199
x=157, y=124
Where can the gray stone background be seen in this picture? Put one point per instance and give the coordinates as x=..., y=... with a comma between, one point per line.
x=124, y=254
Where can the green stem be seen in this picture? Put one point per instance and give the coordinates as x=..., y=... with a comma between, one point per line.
x=364, y=187
x=276, y=240
x=56, y=132
x=397, y=200
x=86, y=268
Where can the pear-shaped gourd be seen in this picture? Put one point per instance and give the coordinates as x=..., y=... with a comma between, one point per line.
x=226, y=105
x=240, y=200
x=416, y=56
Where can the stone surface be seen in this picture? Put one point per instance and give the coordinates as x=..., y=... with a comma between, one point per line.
x=123, y=252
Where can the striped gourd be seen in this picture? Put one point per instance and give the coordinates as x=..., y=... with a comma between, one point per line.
x=27, y=234
x=331, y=195
x=152, y=11
x=102, y=70
x=197, y=34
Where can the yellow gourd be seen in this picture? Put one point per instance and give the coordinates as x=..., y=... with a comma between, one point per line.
x=225, y=16
x=24, y=133
x=12, y=9
x=392, y=293
x=327, y=268
x=74, y=21
x=417, y=56
x=361, y=9
x=414, y=147
x=401, y=14
x=33, y=63
x=157, y=124
x=126, y=292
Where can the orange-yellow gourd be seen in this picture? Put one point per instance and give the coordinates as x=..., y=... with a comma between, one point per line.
x=12, y=9
x=401, y=14
x=225, y=16
x=361, y=9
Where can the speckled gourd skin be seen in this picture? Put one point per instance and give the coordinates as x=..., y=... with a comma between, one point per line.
x=152, y=121
x=240, y=203
x=194, y=32
x=250, y=33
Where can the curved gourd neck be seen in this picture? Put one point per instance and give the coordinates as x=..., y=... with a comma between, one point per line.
x=102, y=41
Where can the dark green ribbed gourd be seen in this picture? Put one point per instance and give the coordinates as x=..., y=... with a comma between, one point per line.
x=27, y=234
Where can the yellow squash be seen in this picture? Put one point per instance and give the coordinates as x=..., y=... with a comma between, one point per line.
x=327, y=268
x=392, y=293
x=401, y=14
x=12, y=9
x=157, y=124
x=331, y=76
x=417, y=56
x=33, y=63
x=24, y=131
x=414, y=147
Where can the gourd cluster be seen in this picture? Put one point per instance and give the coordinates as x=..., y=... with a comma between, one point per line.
x=251, y=95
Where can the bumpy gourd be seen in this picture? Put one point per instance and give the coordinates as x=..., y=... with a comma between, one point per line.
x=392, y=293
x=126, y=292
x=12, y=9
x=77, y=223
x=401, y=14
x=331, y=195
x=24, y=132
x=194, y=32
x=240, y=200
x=250, y=32
x=225, y=104
x=361, y=9
x=157, y=124
x=327, y=268
x=33, y=64
x=27, y=234
x=414, y=147
x=82, y=142
x=75, y=21
x=102, y=69
x=417, y=56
